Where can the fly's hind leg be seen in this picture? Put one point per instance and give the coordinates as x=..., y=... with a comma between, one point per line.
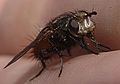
x=43, y=67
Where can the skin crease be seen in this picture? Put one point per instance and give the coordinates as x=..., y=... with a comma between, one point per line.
x=17, y=18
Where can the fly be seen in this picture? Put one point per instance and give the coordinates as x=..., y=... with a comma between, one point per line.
x=61, y=33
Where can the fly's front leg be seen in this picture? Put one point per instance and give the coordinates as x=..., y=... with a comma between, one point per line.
x=98, y=45
x=83, y=44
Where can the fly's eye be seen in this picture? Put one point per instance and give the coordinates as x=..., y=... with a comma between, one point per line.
x=74, y=26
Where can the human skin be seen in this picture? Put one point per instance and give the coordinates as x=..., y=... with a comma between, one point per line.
x=17, y=21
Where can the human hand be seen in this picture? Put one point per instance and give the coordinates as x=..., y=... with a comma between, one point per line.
x=85, y=69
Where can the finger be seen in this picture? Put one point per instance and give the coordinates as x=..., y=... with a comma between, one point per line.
x=87, y=69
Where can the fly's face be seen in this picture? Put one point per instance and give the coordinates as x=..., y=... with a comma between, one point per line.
x=86, y=24
x=83, y=23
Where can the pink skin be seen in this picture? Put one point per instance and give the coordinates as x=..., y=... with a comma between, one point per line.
x=17, y=18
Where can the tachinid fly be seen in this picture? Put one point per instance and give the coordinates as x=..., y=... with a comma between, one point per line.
x=61, y=33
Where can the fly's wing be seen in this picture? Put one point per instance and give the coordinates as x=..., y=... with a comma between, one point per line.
x=20, y=54
x=40, y=36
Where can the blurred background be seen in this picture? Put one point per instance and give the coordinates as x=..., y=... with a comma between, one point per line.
x=18, y=19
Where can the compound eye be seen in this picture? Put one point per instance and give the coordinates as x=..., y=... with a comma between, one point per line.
x=74, y=26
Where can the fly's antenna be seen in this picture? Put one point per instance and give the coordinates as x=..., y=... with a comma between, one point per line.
x=93, y=12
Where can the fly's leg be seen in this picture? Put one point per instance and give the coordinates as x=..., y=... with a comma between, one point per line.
x=83, y=44
x=43, y=67
x=97, y=44
x=61, y=60
x=68, y=51
x=61, y=66
x=61, y=63
x=59, y=54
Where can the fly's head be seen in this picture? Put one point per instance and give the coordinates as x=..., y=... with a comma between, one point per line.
x=82, y=23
